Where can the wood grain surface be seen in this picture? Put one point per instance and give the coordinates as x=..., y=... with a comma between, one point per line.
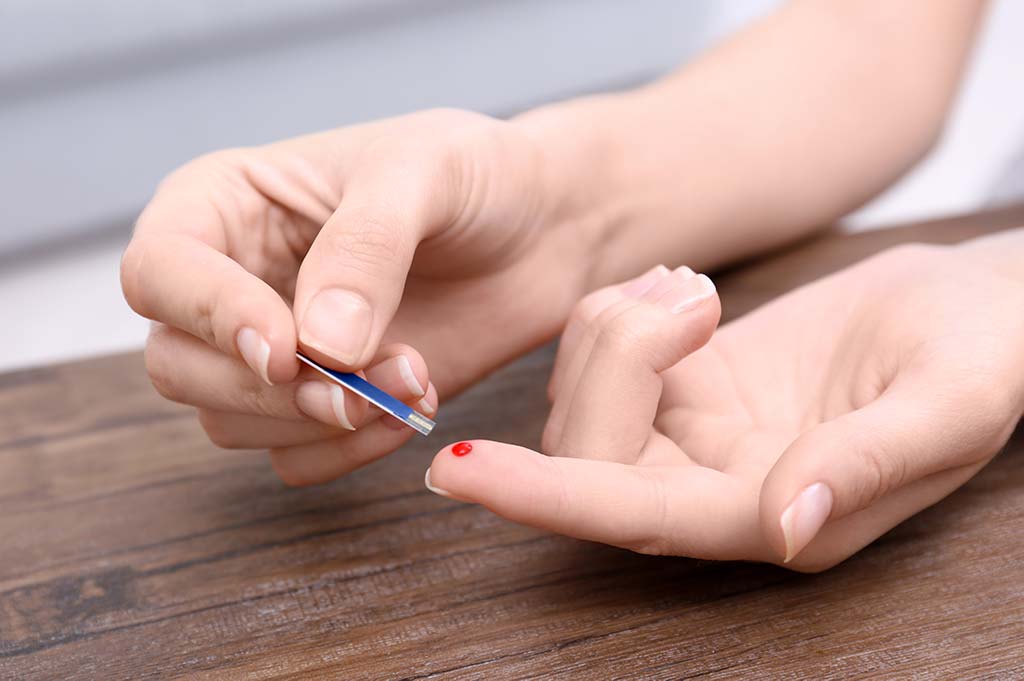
x=132, y=548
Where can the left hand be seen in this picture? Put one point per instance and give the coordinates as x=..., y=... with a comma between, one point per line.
x=800, y=433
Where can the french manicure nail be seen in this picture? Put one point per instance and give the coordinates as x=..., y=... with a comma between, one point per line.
x=804, y=517
x=689, y=294
x=255, y=350
x=323, y=400
x=645, y=282
x=337, y=323
x=435, y=490
x=338, y=407
x=409, y=378
x=667, y=283
x=424, y=408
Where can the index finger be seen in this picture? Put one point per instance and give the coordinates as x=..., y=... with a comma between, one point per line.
x=676, y=510
x=176, y=270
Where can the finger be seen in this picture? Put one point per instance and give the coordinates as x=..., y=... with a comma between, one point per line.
x=578, y=339
x=184, y=281
x=399, y=371
x=616, y=398
x=426, y=405
x=230, y=430
x=840, y=539
x=585, y=312
x=927, y=421
x=187, y=370
x=685, y=510
x=351, y=280
x=321, y=462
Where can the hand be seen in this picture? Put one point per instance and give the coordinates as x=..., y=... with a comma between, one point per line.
x=439, y=229
x=798, y=434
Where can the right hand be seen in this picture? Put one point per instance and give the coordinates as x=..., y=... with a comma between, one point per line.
x=440, y=229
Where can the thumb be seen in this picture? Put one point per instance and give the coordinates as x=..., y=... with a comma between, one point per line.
x=845, y=465
x=351, y=281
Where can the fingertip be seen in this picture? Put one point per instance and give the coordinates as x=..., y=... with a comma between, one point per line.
x=255, y=350
x=283, y=366
x=329, y=403
x=772, y=501
x=429, y=403
x=410, y=366
x=804, y=517
x=448, y=470
x=433, y=488
x=483, y=471
x=265, y=335
x=796, y=498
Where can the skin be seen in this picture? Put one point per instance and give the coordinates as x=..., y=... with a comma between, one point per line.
x=910, y=380
x=401, y=237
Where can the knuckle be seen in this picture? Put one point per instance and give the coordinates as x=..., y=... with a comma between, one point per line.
x=589, y=309
x=656, y=537
x=370, y=242
x=881, y=472
x=255, y=398
x=564, y=503
x=621, y=338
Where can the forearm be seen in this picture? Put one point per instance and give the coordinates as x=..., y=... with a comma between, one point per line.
x=788, y=126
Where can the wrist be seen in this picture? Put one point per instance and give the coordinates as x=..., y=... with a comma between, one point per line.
x=580, y=159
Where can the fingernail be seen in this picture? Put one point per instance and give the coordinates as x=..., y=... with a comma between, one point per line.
x=426, y=405
x=435, y=490
x=667, y=283
x=804, y=517
x=255, y=350
x=405, y=371
x=337, y=323
x=322, y=400
x=688, y=294
x=645, y=282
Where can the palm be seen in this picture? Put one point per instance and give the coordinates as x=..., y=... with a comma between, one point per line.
x=762, y=381
x=737, y=403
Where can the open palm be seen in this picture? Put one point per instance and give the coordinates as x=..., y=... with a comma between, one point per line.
x=803, y=430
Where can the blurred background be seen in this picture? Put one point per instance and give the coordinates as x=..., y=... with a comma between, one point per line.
x=99, y=99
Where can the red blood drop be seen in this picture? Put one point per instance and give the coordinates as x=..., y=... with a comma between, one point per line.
x=462, y=448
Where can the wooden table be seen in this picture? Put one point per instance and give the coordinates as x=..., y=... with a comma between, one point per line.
x=132, y=548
